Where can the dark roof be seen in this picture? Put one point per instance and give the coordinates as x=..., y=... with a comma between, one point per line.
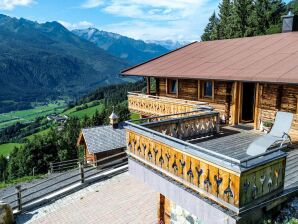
x=269, y=58
x=104, y=138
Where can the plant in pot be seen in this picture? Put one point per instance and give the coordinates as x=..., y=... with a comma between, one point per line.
x=267, y=125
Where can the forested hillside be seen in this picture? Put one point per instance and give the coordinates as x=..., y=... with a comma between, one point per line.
x=60, y=144
x=243, y=18
x=39, y=61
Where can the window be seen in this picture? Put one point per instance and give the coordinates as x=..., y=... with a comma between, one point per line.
x=208, y=89
x=172, y=84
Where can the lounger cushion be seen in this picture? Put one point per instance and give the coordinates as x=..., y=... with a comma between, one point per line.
x=282, y=124
x=261, y=144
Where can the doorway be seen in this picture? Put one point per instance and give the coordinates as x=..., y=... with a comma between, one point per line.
x=248, y=101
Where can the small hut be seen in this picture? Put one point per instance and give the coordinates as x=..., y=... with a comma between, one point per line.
x=103, y=141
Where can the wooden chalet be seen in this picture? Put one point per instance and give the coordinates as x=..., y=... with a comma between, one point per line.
x=197, y=159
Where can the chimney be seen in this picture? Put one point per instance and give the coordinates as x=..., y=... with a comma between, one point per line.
x=114, y=119
x=289, y=23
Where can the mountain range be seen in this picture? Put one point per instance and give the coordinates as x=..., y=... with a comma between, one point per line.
x=41, y=61
x=168, y=44
x=128, y=49
x=46, y=60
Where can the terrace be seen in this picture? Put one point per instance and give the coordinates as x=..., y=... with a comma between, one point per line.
x=193, y=151
x=148, y=105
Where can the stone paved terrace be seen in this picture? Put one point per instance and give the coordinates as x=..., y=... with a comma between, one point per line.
x=121, y=199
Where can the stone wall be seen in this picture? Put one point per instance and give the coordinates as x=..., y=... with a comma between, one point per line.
x=181, y=216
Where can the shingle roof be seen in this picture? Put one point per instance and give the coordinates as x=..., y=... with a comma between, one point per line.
x=269, y=58
x=104, y=138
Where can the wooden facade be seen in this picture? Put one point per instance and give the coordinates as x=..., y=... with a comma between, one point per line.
x=227, y=98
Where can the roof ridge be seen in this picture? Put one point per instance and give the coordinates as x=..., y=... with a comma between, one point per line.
x=137, y=65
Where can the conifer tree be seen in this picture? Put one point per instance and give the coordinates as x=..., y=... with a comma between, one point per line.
x=211, y=31
x=225, y=15
x=243, y=10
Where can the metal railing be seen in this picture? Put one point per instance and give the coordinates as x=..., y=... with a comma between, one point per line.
x=25, y=195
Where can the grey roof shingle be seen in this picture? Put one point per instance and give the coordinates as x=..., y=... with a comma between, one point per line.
x=104, y=138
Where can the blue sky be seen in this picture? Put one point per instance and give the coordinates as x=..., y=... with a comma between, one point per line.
x=140, y=19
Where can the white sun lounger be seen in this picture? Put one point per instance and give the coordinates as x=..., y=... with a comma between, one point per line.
x=277, y=135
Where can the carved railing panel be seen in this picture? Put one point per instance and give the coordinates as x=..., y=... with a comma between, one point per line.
x=203, y=175
x=219, y=184
x=261, y=181
x=185, y=128
x=157, y=106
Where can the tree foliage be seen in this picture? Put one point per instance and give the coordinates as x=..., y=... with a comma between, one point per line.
x=244, y=18
x=59, y=145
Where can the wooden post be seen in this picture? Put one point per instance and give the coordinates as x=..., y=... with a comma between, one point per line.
x=217, y=123
x=81, y=168
x=177, y=90
x=167, y=88
x=236, y=98
x=19, y=197
x=257, y=115
x=161, y=209
x=51, y=167
x=199, y=89
x=157, y=86
x=148, y=85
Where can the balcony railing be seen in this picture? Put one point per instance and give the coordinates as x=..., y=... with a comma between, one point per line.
x=163, y=144
x=156, y=105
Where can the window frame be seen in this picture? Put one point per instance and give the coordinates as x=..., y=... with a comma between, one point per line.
x=170, y=86
x=201, y=90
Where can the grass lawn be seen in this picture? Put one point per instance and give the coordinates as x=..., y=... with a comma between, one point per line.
x=7, y=119
x=134, y=116
x=88, y=111
x=5, y=149
x=20, y=180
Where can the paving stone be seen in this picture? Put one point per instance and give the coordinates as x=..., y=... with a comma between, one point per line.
x=121, y=199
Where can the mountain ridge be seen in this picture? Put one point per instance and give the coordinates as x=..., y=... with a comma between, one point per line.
x=134, y=51
x=44, y=60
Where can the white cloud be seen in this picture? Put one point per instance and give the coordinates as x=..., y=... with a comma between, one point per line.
x=79, y=25
x=92, y=4
x=159, y=19
x=11, y=4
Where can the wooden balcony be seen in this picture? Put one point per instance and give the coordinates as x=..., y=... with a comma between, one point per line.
x=156, y=105
x=192, y=150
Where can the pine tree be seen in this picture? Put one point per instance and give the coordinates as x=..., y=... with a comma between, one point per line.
x=262, y=14
x=225, y=13
x=243, y=10
x=211, y=31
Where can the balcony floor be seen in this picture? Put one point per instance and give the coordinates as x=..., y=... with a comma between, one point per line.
x=231, y=141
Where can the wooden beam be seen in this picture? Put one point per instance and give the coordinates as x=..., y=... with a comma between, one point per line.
x=177, y=90
x=256, y=111
x=157, y=86
x=161, y=199
x=235, y=100
x=167, y=88
x=213, y=90
x=199, y=89
x=148, y=85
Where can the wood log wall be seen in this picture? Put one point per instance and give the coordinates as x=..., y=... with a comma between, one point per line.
x=276, y=97
x=272, y=98
x=188, y=89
